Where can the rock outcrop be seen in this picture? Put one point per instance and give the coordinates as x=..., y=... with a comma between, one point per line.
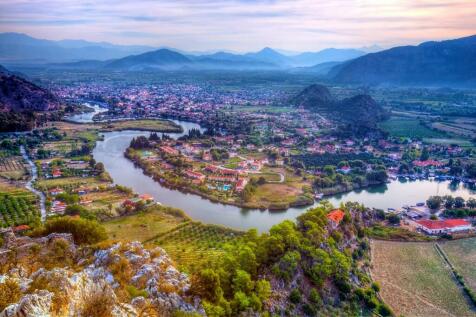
x=123, y=279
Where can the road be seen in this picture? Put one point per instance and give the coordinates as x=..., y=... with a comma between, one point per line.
x=29, y=184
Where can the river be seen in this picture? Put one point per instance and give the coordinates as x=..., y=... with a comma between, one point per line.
x=86, y=117
x=110, y=152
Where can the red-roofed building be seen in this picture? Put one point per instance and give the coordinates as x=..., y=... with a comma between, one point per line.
x=335, y=217
x=21, y=228
x=195, y=175
x=240, y=185
x=428, y=163
x=443, y=226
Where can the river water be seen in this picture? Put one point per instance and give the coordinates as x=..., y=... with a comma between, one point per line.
x=110, y=152
x=86, y=117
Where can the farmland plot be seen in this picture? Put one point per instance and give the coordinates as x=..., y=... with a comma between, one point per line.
x=12, y=167
x=462, y=255
x=415, y=280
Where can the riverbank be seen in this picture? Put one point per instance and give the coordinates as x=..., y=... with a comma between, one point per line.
x=175, y=182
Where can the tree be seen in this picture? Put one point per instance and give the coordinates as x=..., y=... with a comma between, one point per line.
x=471, y=203
x=393, y=219
x=449, y=202
x=434, y=202
x=207, y=285
x=459, y=202
x=99, y=167
x=471, y=170
x=242, y=282
x=425, y=155
x=329, y=170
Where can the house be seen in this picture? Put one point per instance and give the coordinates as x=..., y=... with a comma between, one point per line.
x=240, y=185
x=146, y=197
x=344, y=170
x=435, y=227
x=169, y=150
x=58, y=207
x=56, y=191
x=21, y=228
x=57, y=173
x=195, y=175
x=335, y=217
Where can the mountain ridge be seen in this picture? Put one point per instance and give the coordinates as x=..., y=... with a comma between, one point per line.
x=450, y=62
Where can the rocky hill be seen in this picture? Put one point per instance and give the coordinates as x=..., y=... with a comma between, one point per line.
x=360, y=112
x=445, y=63
x=20, y=100
x=18, y=94
x=52, y=276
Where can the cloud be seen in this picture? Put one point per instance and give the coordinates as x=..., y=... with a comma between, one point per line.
x=243, y=25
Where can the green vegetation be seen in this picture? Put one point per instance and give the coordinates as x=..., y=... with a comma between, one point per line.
x=394, y=234
x=233, y=283
x=84, y=231
x=17, y=210
x=409, y=128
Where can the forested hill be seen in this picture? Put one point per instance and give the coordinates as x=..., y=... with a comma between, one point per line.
x=446, y=63
x=19, y=100
x=360, y=112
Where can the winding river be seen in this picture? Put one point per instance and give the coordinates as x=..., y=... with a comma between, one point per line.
x=110, y=152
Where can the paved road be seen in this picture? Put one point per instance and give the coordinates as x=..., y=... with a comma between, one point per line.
x=29, y=184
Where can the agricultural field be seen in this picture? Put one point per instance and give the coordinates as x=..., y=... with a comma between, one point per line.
x=13, y=168
x=193, y=244
x=17, y=209
x=458, y=128
x=415, y=280
x=462, y=255
x=409, y=127
x=68, y=183
x=143, y=226
x=189, y=243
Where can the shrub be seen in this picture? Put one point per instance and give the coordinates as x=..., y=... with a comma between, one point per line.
x=98, y=303
x=295, y=296
x=84, y=231
x=10, y=293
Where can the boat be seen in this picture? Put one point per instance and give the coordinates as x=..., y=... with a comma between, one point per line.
x=318, y=196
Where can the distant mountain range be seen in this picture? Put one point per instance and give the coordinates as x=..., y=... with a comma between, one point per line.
x=451, y=63
x=20, y=48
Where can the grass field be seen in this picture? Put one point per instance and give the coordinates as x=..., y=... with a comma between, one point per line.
x=462, y=254
x=68, y=182
x=415, y=280
x=409, y=127
x=189, y=243
x=148, y=125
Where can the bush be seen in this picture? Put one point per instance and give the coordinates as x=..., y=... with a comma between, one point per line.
x=295, y=296
x=84, y=231
x=10, y=293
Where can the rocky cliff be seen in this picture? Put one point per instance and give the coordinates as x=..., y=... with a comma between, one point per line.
x=54, y=277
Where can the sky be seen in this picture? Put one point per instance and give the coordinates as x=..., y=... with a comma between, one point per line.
x=243, y=25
